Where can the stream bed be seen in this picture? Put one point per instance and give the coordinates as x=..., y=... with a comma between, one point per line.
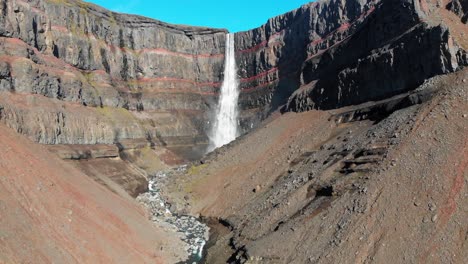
x=192, y=231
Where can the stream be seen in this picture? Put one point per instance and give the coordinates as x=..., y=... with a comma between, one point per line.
x=192, y=232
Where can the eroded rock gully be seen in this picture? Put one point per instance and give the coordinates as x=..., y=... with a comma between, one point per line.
x=122, y=97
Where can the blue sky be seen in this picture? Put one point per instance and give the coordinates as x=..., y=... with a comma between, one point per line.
x=235, y=15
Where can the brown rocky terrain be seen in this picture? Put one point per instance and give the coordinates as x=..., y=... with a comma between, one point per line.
x=354, y=122
x=373, y=183
x=53, y=213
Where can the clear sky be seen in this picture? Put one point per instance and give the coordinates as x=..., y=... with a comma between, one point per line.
x=235, y=15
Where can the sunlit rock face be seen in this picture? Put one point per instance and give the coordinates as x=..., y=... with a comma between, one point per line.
x=329, y=54
x=133, y=77
x=146, y=79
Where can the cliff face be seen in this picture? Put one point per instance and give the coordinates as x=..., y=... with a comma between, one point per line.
x=80, y=53
x=337, y=187
x=165, y=78
x=330, y=54
x=110, y=59
x=54, y=213
x=116, y=95
x=459, y=7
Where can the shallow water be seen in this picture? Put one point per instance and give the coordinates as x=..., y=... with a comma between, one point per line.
x=192, y=231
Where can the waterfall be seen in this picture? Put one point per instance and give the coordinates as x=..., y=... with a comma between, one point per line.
x=224, y=128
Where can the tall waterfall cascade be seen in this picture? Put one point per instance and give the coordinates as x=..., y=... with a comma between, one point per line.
x=225, y=126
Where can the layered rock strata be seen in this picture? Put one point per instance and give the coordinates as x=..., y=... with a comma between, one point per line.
x=80, y=53
x=330, y=54
x=74, y=73
x=326, y=54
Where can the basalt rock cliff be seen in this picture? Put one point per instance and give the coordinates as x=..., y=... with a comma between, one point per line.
x=330, y=54
x=120, y=97
x=112, y=64
x=367, y=161
x=138, y=78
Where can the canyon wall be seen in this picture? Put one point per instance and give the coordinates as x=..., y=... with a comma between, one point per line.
x=136, y=77
x=79, y=53
x=334, y=53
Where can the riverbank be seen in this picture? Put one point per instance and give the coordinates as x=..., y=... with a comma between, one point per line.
x=189, y=229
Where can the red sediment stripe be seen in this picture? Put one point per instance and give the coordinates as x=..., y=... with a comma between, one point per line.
x=113, y=48
x=372, y=9
x=100, y=72
x=344, y=27
x=60, y=28
x=166, y=79
x=172, y=91
x=254, y=48
x=154, y=50
x=187, y=55
x=320, y=52
x=9, y=59
x=317, y=41
x=65, y=66
x=56, y=61
x=337, y=43
x=261, y=44
x=16, y=41
x=263, y=85
x=259, y=75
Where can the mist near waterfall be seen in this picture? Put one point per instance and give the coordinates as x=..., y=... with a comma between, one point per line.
x=225, y=125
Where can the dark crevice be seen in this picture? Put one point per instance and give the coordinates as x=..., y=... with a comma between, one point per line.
x=238, y=257
x=324, y=191
x=278, y=226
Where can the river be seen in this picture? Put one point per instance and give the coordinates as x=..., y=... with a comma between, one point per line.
x=192, y=231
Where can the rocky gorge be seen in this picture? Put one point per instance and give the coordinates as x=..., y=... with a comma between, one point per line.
x=115, y=64
x=121, y=98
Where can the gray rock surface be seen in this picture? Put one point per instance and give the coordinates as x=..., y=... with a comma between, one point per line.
x=330, y=54
x=325, y=54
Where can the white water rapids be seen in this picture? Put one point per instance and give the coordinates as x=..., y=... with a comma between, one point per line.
x=225, y=126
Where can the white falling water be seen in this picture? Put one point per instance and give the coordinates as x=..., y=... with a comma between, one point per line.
x=224, y=129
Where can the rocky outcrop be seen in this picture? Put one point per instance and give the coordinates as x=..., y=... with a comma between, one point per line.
x=77, y=152
x=78, y=52
x=149, y=79
x=357, y=184
x=51, y=121
x=326, y=54
x=53, y=213
x=330, y=54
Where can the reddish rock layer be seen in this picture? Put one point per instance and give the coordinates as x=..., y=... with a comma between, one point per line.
x=51, y=212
